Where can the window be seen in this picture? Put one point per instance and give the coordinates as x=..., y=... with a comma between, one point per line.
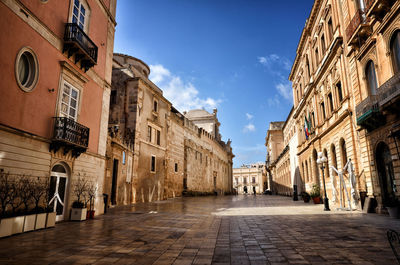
x=253, y=180
x=79, y=14
x=153, y=164
x=155, y=105
x=308, y=68
x=316, y=56
x=395, y=51
x=312, y=119
x=339, y=91
x=123, y=158
x=149, y=133
x=245, y=180
x=330, y=29
x=323, y=48
x=343, y=151
x=158, y=137
x=26, y=69
x=330, y=101
x=113, y=97
x=176, y=167
x=237, y=180
x=323, y=111
x=370, y=74
x=69, y=102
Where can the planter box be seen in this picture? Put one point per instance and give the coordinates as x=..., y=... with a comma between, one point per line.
x=78, y=214
x=51, y=219
x=29, y=224
x=40, y=221
x=6, y=225
x=18, y=224
x=317, y=200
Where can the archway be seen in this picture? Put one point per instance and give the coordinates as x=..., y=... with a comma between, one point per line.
x=384, y=166
x=58, y=189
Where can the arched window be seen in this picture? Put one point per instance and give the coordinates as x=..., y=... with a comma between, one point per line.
x=395, y=51
x=343, y=152
x=333, y=155
x=370, y=74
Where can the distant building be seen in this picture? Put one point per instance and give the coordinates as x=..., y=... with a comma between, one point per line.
x=249, y=176
x=155, y=152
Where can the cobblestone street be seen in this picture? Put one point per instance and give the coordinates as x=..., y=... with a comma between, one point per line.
x=210, y=230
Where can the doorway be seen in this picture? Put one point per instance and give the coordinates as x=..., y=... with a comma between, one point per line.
x=58, y=190
x=114, y=183
x=384, y=166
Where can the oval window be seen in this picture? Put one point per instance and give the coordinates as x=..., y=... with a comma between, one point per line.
x=26, y=69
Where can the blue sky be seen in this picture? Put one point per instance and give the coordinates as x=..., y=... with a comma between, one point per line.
x=234, y=55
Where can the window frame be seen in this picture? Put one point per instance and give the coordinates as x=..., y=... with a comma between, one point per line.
x=78, y=99
x=86, y=15
x=153, y=164
x=34, y=76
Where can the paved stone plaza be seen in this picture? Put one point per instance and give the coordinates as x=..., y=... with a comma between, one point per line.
x=211, y=230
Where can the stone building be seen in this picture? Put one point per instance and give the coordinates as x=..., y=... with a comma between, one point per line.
x=249, y=176
x=138, y=118
x=154, y=152
x=275, y=145
x=346, y=97
x=56, y=78
x=323, y=99
x=373, y=52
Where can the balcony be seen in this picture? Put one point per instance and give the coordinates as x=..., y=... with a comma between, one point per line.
x=77, y=43
x=70, y=135
x=378, y=8
x=389, y=95
x=368, y=114
x=359, y=29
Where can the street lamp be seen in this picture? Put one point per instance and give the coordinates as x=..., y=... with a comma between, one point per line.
x=321, y=161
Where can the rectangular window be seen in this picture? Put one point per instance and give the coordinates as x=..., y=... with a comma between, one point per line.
x=323, y=111
x=69, y=102
x=153, y=164
x=158, y=137
x=339, y=91
x=254, y=180
x=176, y=167
x=113, y=97
x=155, y=105
x=201, y=158
x=330, y=100
x=245, y=180
x=330, y=29
x=149, y=134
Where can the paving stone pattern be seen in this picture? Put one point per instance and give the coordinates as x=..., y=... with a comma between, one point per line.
x=210, y=230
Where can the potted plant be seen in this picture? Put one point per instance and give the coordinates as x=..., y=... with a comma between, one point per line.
x=305, y=196
x=26, y=188
x=5, y=191
x=79, y=211
x=38, y=190
x=91, y=195
x=15, y=202
x=316, y=194
x=393, y=207
x=50, y=212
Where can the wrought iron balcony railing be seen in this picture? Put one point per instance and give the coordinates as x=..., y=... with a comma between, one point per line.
x=389, y=91
x=70, y=135
x=358, y=20
x=77, y=42
x=368, y=105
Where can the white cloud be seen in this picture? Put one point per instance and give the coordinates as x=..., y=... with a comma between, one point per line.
x=274, y=102
x=249, y=128
x=249, y=116
x=182, y=94
x=274, y=61
x=158, y=73
x=285, y=89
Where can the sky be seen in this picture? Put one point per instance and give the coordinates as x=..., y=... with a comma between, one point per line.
x=233, y=55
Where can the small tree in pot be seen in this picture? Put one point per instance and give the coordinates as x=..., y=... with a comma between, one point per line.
x=91, y=195
x=316, y=194
x=79, y=210
x=5, y=191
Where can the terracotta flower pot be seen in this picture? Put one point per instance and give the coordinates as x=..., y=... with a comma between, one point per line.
x=316, y=200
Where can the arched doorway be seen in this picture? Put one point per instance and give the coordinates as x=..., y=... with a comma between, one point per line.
x=384, y=166
x=58, y=190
